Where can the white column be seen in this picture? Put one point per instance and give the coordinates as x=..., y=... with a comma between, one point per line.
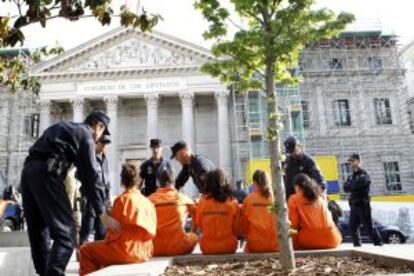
x=321, y=111
x=112, y=151
x=224, y=131
x=78, y=109
x=152, y=115
x=45, y=106
x=187, y=118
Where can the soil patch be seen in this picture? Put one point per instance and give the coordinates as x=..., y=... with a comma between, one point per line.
x=321, y=265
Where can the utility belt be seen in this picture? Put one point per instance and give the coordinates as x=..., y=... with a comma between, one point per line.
x=359, y=201
x=56, y=165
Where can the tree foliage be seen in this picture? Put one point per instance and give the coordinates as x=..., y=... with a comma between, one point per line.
x=261, y=55
x=276, y=30
x=13, y=73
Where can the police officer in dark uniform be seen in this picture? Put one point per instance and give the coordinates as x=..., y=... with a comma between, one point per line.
x=194, y=166
x=358, y=184
x=46, y=204
x=148, y=169
x=89, y=219
x=298, y=162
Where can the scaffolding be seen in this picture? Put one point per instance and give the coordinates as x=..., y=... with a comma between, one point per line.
x=22, y=121
x=352, y=99
x=356, y=101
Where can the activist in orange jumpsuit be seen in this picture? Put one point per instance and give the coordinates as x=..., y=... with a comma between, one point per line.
x=309, y=215
x=258, y=222
x=133, y=243
x=172, y=207
x=218, y=215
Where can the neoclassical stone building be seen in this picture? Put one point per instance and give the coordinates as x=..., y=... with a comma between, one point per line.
x=151, y=86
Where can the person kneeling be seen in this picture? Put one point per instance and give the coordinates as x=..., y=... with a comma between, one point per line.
x=218, y=215
x=310, y=217
x=133, y=243
x=258, y=222
x=172, y=207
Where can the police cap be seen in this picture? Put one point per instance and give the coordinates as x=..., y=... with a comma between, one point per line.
x=155, y=143
x=101, y=117
x=177, y=147
x=354, y=156
x=290, y=143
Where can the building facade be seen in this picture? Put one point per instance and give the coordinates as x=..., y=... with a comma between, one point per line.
x=151, y=86
x=354, y=99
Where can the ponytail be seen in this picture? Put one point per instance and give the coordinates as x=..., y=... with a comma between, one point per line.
x=262, y=181
x=310, y=189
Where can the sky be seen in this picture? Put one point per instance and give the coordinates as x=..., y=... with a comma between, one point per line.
x=181, y=20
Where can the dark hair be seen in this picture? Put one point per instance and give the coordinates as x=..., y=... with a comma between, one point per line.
x=165, y=174
x=310, y=189
x=129, y=175
x=262, y=182
x=217, y=185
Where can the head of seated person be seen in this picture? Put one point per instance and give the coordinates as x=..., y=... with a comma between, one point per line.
x=129, y=176
x=166, y=175
x=217, y=186
x=307, y=187
x=262, y=183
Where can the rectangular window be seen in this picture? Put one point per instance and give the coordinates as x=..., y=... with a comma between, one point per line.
x=336, y=64
x=342, y=113
x=297, y=123
x=305, y=114
x=410, y=121
x=383, y=111
x=392, y=176
x=375, y=62
x=346, y=171
x=259, y=148
x=31, y=123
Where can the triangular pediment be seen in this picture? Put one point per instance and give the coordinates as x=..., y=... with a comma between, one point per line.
x=126, y=49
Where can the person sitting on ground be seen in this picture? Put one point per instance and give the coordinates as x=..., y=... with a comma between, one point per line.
x=172, y=207
x=258, y=223
x=310, y=217
x=218, y=215
x=133, y=244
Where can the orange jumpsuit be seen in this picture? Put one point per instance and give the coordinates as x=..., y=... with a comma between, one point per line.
x=258, y=224
x=314, y=223
x=172, y=208
x=219, y=222
x=132, y=244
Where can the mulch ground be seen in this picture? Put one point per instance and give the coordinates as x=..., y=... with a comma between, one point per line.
x=326, y=265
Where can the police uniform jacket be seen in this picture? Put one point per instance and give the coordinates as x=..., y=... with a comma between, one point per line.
x=196, y=170
x=65, y=144
x=104, y=172
x=304, y=164
x=358, y=184
x=148, y=172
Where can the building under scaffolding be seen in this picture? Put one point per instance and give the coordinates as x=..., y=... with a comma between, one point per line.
x=353, y=99
x=19, y=125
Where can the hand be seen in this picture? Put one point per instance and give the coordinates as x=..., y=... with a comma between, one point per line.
x=110, y=222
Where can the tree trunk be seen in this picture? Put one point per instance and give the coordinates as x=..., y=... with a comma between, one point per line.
x=287, y=258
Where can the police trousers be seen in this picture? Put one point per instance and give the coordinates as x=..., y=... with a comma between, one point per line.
x=89, y=223
x=361, y=215
x=48, y=215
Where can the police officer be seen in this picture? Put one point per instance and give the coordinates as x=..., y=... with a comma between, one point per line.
x=46, y=204
x=89, y=219
x=299, y=162
x=195, y=166
x=358, y=184
x=148, y=169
